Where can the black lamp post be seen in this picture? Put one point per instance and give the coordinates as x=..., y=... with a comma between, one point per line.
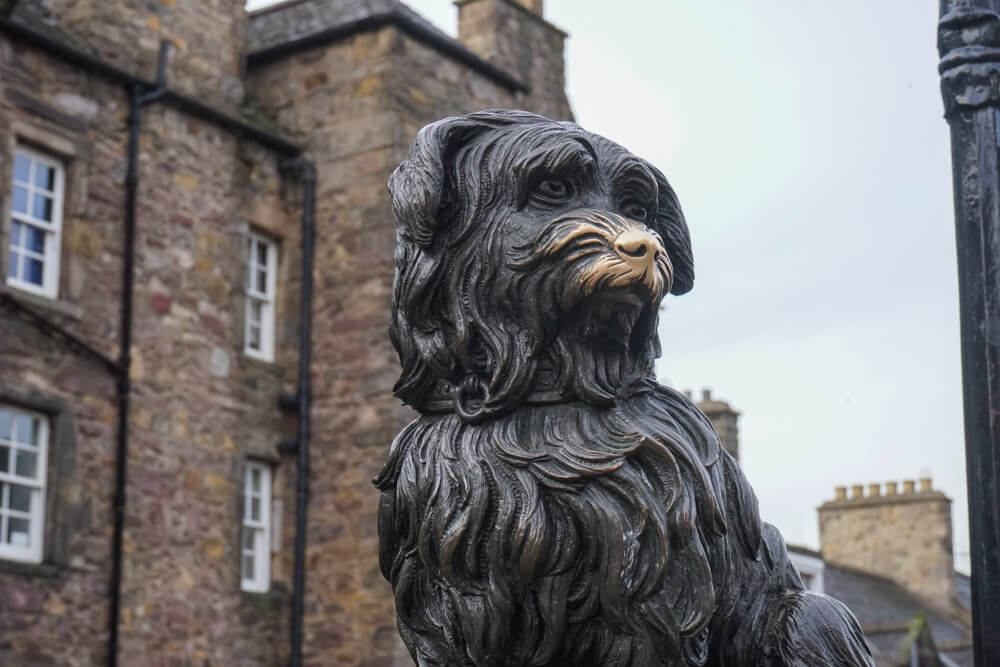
x=969, y=44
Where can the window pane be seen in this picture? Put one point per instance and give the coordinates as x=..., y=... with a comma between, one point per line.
x=5, y=424
x=20, y=201
x=17, y=532
x=15, y=233
x=4, y=459
x=262, y=282
x=254, y=337
x=261, y=254
x=22, y=165
x=20, y=498
x=255, y=311
x=42, y=207
x=248, y=539
x=255, y=509
x=248, y=569
x=12, y=264
x=34, y=239
x=45, y=176
x=25, y=463
x=32, y=272
x=255, y=480
x=25, y=429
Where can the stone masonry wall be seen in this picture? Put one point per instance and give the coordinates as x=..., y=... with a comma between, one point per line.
x=199, y=407
x=335, y=101
x=905, y=537
x=56, y=613
x=207, y=39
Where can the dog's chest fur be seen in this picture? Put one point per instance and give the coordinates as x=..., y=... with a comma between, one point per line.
x=558, y=533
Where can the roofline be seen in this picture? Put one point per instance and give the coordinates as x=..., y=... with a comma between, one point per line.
x=273, y=7
x=803, y=551
x=233, y=125
x=421, y=33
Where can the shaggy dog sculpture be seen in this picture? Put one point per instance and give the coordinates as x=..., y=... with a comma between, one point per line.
x=554, y=505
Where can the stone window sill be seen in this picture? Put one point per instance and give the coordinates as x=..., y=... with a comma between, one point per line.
x=41, y=570
x=53, y=306
x=272, y=599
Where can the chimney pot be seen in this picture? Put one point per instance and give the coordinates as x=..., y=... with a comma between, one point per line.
x=874, y=490
x=706, y=395
x=857, y=491
x=908, y=486
x=925, y=484
x=840, y=493
x=891, y=488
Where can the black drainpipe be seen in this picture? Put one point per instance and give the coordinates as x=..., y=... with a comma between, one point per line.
x=306, y=172
x=139, y=96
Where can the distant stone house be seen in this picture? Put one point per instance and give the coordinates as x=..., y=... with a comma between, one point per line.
x=149, y=491
x=888, y=556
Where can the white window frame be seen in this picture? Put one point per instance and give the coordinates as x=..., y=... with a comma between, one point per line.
x=266, y=299
x=258, y=530
x=32, y=552
x=809, y=567
x=51, y=228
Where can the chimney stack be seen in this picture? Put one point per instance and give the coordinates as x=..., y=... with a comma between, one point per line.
x=514, y=36
x=724, y=421
x=905, y=537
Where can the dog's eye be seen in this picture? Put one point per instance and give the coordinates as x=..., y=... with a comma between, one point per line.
x=636, y=212
x=553, y=191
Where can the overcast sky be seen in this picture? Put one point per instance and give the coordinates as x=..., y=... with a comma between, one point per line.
x=806, y=142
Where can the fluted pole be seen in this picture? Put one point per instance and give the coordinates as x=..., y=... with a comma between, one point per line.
x=969, y=44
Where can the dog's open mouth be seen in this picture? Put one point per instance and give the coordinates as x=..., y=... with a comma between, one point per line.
x=617, y=318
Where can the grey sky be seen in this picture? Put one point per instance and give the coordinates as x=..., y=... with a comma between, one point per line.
x=806, y=143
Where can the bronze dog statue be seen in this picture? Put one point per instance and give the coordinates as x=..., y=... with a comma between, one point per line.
x=554, y=505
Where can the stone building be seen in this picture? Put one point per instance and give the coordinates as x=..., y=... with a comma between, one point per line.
x=887, y=554
x=169, y=168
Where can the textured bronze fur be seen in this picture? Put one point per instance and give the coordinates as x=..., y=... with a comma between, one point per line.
x=554, y=505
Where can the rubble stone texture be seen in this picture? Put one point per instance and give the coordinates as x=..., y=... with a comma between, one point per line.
x=199, y=406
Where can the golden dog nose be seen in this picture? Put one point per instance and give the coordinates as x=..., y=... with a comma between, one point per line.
x=636, y=246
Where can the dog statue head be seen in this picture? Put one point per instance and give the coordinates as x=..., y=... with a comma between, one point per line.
x=531, y=260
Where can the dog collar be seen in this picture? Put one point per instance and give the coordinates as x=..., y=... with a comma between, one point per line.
x=468, y=397
x=448, y=405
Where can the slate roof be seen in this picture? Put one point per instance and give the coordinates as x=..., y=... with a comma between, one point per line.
x=295, y=19
x=885, y=611
x=963, y=591
x=284, y=28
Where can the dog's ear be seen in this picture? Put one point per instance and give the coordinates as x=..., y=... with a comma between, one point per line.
x=418, y=184
x=674, y=231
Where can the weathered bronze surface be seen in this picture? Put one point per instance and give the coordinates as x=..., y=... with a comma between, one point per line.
x=553, y=504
